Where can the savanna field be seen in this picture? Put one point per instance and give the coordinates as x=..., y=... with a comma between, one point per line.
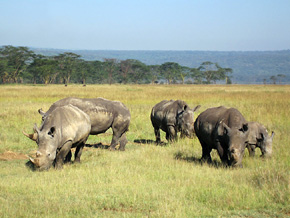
x=146, y=180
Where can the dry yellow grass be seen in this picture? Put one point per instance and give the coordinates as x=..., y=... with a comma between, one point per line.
x=146, y=180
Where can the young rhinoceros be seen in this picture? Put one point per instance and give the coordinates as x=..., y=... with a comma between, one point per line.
x=65, y=128
x=258, y=137
x=172, y=117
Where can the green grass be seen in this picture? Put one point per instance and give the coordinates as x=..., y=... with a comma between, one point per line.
x=146, y=180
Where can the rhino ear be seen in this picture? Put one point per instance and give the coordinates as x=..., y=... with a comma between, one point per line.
x=196, y=108
x=223, y=129
x=51, y=131
x=226, y=128
x=41, y=112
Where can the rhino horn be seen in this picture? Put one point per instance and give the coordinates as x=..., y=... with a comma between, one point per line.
x=32, y=136
x=32, y=160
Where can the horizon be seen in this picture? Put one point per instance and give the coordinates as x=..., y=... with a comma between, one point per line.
x=32, y=47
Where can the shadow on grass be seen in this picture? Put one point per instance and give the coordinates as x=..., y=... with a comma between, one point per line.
x=192, y=159
x=149, y=141
x=98, y=145
x=30, y=165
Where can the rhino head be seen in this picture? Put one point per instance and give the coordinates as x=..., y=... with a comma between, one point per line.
x=235, y=139
x=47, y=144
x=185, y=121
x=265, y=144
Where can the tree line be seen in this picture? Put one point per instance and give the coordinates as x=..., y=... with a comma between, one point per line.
x=21, y=65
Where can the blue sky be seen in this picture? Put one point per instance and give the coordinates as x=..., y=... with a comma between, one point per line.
x=215, y=25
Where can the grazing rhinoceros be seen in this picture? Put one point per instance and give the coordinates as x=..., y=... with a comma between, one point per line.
x=172, y=117
x=104, y=114
x=258, y=137
x=64, y=128
x=224, y=129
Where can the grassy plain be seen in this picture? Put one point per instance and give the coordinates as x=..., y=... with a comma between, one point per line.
x=146, y=180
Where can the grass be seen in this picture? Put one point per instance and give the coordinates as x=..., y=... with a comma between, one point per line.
x=146, y=180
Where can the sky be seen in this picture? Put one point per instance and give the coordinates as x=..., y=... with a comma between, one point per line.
x=204, y=25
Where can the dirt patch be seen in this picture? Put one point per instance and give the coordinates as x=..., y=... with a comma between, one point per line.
x=10, y=155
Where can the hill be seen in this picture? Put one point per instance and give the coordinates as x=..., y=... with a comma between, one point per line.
x=249, y=67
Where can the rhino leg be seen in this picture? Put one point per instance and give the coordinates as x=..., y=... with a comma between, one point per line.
x=61, y=155
x=205, y=152
x=157, y=135
x=182, y=135
x=251, y=149
x=123, y=141
x=115, y=141
x=171, y=134
x=223, y=155
x=68, y=157
x=78, y=152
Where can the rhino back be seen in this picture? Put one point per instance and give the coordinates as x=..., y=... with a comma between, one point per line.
x=234, y=118
x=165, y=112
x=208, y=121
x=70, y=122
x=102, y=112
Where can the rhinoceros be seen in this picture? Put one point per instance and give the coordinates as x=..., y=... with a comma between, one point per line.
x=173, y=117
x=224, y=129
x=64, y=128
x=258, y=137
x=104, y=114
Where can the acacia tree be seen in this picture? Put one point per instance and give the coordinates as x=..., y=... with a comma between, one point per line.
x=17, y=60
x=34, y=67
x=44, y=69
x=280, y=77
x=139, y=71
x=67, y=63
x=274, y=79
x=97, y=71
x=83, y=68
x=171, y=71
x=197, y=75
x=223, y=74
x=153, y=73
x=110, y=65
x=126, y=68
x=4, y=76
x=213, y=72
x=185, y=71
x=208, y=69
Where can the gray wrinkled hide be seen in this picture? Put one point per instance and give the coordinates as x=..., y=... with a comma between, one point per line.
x=104, y=114
x=259, y=137
x=64, y=128
x=224, y=129
x=172, y=117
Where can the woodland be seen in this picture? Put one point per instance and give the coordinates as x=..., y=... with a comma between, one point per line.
x=48, y=66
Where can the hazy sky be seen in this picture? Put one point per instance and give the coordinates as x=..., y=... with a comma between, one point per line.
x=223, y=25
